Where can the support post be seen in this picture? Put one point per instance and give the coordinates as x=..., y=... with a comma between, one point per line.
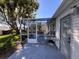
x=36, y=31
x=28, y=29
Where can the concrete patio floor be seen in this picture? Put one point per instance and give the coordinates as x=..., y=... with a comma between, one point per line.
x=37, y=51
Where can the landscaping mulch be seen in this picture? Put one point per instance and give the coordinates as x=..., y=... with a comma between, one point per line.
x=5, y=53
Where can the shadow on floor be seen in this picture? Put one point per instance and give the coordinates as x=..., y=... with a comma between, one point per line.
x=37, y=51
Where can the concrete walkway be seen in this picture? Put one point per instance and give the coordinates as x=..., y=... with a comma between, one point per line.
x=37, y=51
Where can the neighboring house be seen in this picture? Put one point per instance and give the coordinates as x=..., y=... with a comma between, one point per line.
x=4, y=27
x=67, y=28
x=44, y=27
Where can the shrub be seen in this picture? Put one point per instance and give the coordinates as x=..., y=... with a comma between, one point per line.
x=7, y=41
x=16, y=38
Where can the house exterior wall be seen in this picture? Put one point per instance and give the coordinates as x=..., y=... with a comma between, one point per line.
x=74, y=44
x=69, y=11
x=0, y=32
x=75, y=37
x=59, y=43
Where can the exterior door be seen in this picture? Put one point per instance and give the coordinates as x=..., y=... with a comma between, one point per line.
x=65, y=36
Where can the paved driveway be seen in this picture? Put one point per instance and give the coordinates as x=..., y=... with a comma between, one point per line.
x=37, y=51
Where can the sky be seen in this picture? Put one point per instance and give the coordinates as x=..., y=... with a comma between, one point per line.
x=47, y=8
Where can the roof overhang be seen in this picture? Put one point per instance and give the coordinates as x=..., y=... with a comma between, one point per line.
x=64, y=5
